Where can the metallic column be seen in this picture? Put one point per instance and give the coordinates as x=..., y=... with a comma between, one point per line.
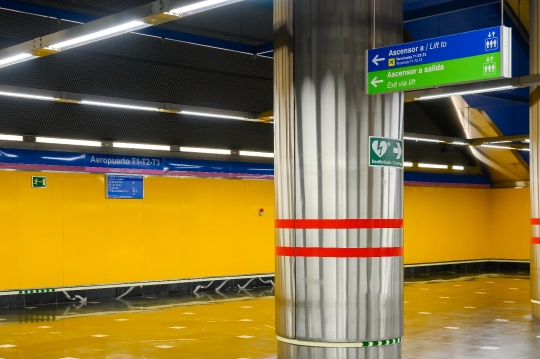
x=339, y=276
x=534, y=167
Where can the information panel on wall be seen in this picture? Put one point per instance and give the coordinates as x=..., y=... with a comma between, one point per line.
x=467, y=57
x=125, y=186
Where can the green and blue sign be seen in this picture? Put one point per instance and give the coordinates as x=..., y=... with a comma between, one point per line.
x=467, y=57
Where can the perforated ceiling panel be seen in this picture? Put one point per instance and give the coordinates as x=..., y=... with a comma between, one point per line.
x=248, y=21
x=418, y=121
x=29, y=117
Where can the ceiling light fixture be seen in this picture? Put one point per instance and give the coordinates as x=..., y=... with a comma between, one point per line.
x=15, y=59
x=11, y=138
x=256, y=154
x=527, y=140
x=428, y=165
x=407, y=164
x=65, y=141
x=499, y=147
x=202, y=114
x=198, y=7
x=99, y=35
x=422, y=139
x=22, y=95
x=117, y=105
x=458, y=168
x=141, y=146
x=459, y=143
x=472, y=92
x=205, y=150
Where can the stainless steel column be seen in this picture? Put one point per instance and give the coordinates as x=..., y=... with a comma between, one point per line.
x=534, y=168
x=339, y=276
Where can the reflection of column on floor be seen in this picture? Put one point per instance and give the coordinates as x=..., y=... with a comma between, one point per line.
x=534, y=168
x=339, y=262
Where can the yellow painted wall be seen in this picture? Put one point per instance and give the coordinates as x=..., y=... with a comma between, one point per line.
x=454, y=224
x=70, y=234
x=511, y=234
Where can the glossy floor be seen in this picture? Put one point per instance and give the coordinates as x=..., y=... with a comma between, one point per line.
x=475, y=317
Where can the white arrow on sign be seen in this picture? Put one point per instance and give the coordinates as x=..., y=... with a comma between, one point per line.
x=374, y=82
x=398, y=151
x=376, y=59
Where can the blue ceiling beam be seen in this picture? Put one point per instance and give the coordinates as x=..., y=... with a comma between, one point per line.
x=444, y=8
x=40, y=10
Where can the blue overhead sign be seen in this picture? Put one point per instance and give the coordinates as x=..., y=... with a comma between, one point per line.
x=124, y=164
x=467, y=57
x=125, y=186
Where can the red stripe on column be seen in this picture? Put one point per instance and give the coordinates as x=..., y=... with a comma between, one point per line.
x=339, y=223
x=322, y=252
x=535, y=221
x=535, y=240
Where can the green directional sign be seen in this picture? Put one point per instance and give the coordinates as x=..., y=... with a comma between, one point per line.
x=467, y=57
x=385, y=152
x=39, y=182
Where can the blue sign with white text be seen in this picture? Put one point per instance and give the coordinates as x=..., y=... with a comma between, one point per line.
x=466, y=44
x=125, y=186
x=124, y=164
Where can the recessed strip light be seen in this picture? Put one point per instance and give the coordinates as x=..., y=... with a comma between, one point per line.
x=202, y=114
x=527, y=140
x=428, y=165
x=15, y=59
x=422, y=139
x=199, y=6
x=141, y=146
x=499, y=147
x=458, y=168
x=205, y=150
x=496, y=142
x=472, y=92
x=11, y=138
x=407, y=164
x=117, y=105
x=459, y=143
x=99, y=35
x=22, y=95
x=256, y=154
x=64, y=141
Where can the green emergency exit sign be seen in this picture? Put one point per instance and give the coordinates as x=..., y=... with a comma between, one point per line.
x=39, y=182
x=385, y=152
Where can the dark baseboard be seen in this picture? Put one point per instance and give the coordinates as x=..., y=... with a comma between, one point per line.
x=28, y=298
x=480, y=266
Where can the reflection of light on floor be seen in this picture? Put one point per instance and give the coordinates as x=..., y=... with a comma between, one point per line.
x=449, y=320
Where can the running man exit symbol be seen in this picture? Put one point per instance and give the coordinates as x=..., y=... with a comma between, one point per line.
x=39, y=182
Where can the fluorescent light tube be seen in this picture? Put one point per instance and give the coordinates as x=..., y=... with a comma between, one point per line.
x=199, y=6
x=421, y=139
x=99, y=35
x=499, y=147
x=428, y=165
x=11, y=138
x=64, y=141
x=458, y=168
x=15, y=59
x=407, y=164
x=21, y=95
x=524, y=149
x=205, y=150
x=140, y=146
x=202, y=114
x=472, y=92
x=256, y=154
x=117, y=105
x=460, y=143
x=495, y=142
x=527, y=140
